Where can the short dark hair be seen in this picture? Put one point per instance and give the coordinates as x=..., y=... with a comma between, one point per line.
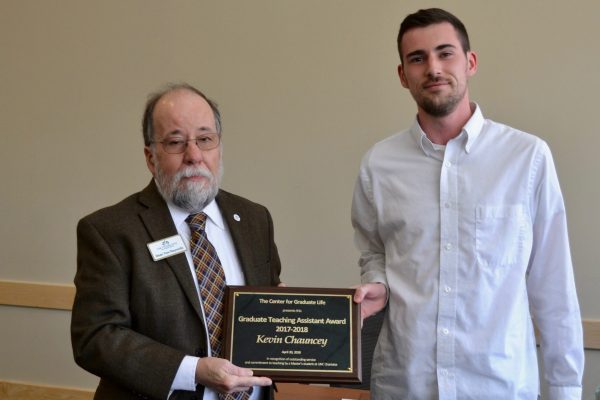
x=147, y=122
x=431, y=16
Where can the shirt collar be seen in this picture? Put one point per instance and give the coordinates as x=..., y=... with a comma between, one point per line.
x=473, y=127
x=471, y=130
x=211, y=210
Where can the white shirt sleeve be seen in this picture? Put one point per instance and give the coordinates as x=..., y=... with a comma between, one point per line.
x=366, y=236
x=185, y=379
x=551, y=288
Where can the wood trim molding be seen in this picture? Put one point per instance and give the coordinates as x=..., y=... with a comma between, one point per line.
x=591, y=334
x=23, y=391
x=60, y=297
x=37, y=295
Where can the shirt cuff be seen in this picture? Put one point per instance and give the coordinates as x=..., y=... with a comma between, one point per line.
x=564, y=393
x=185, y=379
x=387, y=294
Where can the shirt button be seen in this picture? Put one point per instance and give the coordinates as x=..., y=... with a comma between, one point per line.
x=448, y=246
x=445, y=331
x=447, y=289
x=448, y=164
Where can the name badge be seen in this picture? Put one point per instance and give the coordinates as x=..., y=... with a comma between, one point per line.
x=166, y=247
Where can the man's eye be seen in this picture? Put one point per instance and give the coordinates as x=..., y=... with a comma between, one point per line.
x=415, y=59
x=175, y=142
x=205, y=139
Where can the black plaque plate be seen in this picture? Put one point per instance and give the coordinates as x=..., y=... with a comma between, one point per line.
x=293, y=334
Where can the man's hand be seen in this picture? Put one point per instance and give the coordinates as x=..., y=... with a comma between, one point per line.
x=224, y=377
x=371, y=297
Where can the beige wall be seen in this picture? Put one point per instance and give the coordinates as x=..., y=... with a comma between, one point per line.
x=305, y=87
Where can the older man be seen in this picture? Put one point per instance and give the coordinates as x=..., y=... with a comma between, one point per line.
x=151, y=270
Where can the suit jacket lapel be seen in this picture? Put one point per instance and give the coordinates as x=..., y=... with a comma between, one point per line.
x=236, y=221
x=157, y=219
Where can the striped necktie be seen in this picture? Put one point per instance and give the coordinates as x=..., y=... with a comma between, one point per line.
x=211, y=281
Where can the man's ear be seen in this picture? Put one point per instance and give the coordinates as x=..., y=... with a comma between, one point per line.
x=472, y=63
x=150, y=160
x=402, y=76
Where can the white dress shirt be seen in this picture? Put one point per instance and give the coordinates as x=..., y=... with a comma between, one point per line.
x=471, y=240
x=219, y=236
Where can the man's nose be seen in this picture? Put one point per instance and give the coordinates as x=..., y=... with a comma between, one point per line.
x=192, y=153
x=433, y=67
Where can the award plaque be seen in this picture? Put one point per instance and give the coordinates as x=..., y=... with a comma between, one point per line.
x=294, y=334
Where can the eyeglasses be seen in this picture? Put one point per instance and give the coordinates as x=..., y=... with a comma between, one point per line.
x=177, y=145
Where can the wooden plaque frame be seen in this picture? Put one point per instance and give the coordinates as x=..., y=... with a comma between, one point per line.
x=294, y=334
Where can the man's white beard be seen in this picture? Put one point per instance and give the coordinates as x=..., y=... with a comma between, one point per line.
x=190, y=196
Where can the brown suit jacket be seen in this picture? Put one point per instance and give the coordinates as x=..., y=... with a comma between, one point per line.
x=134, y=319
